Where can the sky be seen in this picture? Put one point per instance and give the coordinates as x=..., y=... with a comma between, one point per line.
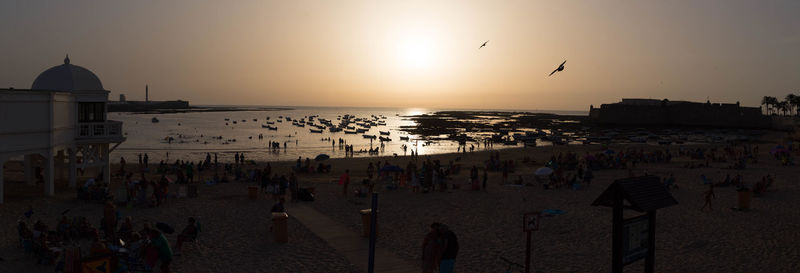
x=412, y=53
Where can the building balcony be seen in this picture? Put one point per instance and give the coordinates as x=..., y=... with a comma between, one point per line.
x=111, y=130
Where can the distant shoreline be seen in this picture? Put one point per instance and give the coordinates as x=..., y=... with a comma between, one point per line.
x=196, y=109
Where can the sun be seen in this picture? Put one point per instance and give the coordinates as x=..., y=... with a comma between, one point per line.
x=416, y=54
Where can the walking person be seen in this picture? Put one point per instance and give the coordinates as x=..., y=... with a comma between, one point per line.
x=432, y=248
x=344, y=180
x=709, y=195
x=485, y=178
x=450, y=250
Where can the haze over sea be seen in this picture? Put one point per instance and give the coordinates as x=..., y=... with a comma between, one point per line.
x=194, y=133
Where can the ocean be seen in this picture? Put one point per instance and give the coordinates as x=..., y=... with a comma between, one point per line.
x=196, y=133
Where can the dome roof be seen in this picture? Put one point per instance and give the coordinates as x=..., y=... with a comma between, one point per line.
x=67, y=77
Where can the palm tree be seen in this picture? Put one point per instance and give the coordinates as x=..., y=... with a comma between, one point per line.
x=765, y=102
x=783, y=106
x=790, y=98
x=795, y=101
x=770, y=103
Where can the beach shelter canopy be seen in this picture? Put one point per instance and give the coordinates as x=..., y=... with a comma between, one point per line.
x=644, y=193
x=543, y=171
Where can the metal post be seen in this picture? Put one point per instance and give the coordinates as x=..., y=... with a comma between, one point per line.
x=372, y=232
x=650, y=259
x=616, y=237
x=528, y=254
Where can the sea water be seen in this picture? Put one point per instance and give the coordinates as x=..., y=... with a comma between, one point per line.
x=195, y=134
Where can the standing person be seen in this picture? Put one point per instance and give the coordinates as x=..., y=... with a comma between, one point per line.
x=241, y=158
x=293, y=187
x=370, y=170
x=485, y=178
x=709, y=195
x=344, y=180
x=122, y=165
x=236, y=158
x=431, y=249
x=450, y=250
x=215, y=160
x=159, y=242
x=140, y=161
x=145, y=160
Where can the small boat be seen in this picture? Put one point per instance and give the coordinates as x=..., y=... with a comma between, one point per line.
x=273, y=128
x=255, y=119
x=350, y=132
x=154, y=120
x=360, y=130
x=227, y=119
x=385, y=133
x=404, y=138
x=335, y=129
x=319, y=131
x=234, y=122
x=385, y=139
x=270, y=122
x=369, y=136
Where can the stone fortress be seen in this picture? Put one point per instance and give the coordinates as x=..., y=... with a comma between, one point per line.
x=652, y=112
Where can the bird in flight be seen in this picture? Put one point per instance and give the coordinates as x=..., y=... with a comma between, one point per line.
x=484, y=44
x=560, y=68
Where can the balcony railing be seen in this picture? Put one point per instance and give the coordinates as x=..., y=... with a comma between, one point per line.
x=102, y=129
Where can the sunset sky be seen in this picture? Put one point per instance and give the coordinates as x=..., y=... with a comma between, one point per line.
x=412, y=53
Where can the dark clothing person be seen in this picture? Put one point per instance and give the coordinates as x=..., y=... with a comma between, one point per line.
x=448, y=258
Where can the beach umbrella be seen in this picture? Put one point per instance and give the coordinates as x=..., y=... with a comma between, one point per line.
x=163, y=227
x=543, y=171
x=391, y=168
x=322, y=157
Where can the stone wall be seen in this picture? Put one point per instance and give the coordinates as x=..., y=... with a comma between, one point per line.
x=680, y=114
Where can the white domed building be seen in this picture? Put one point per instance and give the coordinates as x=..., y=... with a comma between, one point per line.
x=59, y=123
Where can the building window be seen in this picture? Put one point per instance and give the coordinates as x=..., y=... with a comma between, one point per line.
x=91, y=111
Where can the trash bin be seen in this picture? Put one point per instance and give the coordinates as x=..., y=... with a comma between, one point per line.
x=366, y=221
x=252, y=192
x=192, y=190
x=744, y=199
x=279, y=227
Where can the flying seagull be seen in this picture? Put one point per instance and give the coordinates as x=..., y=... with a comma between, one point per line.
x=560, y=68
x=484, y=44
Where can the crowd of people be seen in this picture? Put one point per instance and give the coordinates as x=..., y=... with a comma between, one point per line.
x=119, y=241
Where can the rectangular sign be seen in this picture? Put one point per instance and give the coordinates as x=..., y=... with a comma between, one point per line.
x=634, y=239
x=530, y=221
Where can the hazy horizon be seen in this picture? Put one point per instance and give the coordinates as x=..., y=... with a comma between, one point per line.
x=412, y=53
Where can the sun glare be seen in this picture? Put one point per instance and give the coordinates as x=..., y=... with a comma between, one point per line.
x=416, y=54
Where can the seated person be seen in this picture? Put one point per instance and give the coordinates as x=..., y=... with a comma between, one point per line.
x=279, y=207
x=189, y=233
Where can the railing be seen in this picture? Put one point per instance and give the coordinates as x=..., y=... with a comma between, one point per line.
x=102, y=129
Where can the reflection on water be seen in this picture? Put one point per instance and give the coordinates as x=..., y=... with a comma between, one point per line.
x=195, y=134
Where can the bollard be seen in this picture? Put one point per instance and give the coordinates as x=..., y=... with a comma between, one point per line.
x=280, y=228
x=252, y=193
x=366, y=221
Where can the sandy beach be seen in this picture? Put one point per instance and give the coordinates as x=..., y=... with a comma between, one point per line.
x=236, y=234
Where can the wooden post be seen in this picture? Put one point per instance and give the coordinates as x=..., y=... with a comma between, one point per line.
x=528, y=254
x=650, y=259
x=616, y=237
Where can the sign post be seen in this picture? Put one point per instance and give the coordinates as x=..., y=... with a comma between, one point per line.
x=530, y=222
x=634, y=238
